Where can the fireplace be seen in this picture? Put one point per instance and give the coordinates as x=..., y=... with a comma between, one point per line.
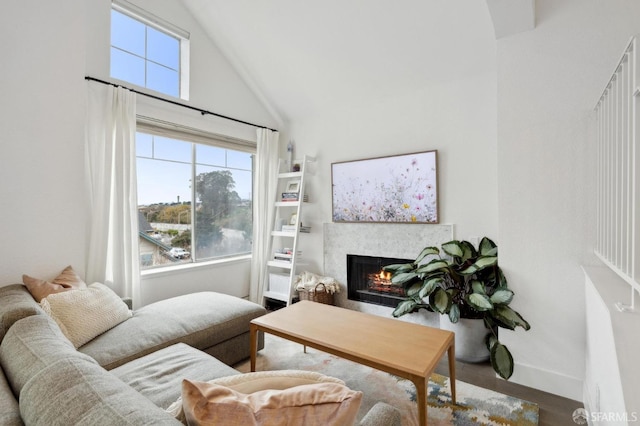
x=367, y=282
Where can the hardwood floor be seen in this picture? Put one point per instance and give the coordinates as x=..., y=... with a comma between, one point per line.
x=554, y=410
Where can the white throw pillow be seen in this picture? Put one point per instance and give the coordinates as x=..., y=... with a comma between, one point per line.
x=86, y=313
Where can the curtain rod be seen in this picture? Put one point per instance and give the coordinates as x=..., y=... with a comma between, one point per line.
x=201, y=111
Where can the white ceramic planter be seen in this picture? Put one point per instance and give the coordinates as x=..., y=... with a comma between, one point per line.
x=470, y=338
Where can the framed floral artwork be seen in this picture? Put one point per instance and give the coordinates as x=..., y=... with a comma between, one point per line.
x=400, y=189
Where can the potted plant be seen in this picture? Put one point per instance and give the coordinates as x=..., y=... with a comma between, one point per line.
x=465, y=283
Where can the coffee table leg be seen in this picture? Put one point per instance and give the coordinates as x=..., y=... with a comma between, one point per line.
x=452, y=371
x=421, y=391
x=253, y=337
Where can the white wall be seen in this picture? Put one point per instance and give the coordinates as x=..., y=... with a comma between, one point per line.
x=41, y=116
x=48, y=48
x=456, y=118
x=229, y=277
x=549, y=80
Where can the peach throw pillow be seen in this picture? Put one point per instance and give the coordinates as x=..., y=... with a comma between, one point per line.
x=318, y=404
x=67, y=280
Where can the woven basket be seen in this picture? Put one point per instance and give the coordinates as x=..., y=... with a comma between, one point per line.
x=320, y=295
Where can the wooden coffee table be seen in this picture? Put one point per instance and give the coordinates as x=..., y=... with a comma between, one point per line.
x=404, y=349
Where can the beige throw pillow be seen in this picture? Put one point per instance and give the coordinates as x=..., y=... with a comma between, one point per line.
x=67, y=280
x=86, y=313
x=270, y=398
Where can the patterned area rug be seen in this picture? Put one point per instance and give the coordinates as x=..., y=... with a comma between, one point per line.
x=476, y=406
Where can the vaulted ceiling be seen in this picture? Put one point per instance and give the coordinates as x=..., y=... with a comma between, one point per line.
x=304, y=57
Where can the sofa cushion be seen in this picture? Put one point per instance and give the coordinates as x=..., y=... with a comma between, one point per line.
x=15, y=303
x=318, y=404
x=201, y=320
x=9, y=409
x=30, y=345
x=67, y=280
x=159, y=375
x=86, y=313
x=77, y=391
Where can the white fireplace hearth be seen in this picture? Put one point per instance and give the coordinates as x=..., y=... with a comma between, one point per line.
x=393, y=240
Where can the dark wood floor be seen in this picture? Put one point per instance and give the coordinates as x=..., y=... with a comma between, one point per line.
x=554, y=410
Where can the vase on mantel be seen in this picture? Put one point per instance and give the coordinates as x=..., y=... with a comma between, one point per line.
x=470, y=338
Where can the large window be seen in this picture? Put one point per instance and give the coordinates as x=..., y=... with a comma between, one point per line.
x=148, y=52
x=194, y=199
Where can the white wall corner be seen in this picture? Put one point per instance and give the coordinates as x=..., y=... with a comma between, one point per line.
x=219, y=39
x=512, y=16
x=548, y=381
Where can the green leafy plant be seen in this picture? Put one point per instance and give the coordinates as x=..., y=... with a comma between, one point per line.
x=464, y=283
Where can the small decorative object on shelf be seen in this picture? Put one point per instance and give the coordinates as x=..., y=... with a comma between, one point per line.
x=289, y=196
x=290, y=156
x=293, y=186
x=285, y=254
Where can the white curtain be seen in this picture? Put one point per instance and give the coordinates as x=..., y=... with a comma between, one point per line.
x=110, y=159
x=264, y=182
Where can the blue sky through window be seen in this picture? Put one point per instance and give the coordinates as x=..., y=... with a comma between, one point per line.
x=164, y=168
x=143, y=55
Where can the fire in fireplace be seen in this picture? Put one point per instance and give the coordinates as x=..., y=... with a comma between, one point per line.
x=367, y=282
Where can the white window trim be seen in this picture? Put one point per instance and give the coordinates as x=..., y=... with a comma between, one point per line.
x=149, y=19
x=171, y=130
x=184, y=267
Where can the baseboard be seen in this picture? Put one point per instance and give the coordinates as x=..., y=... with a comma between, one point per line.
x=548, y=381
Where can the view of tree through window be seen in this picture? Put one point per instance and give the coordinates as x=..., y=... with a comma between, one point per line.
x=181, y=182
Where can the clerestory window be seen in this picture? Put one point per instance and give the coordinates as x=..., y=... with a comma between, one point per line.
x=148, y=52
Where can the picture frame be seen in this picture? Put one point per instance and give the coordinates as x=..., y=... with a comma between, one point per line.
x=394, y=189
x=293, y=186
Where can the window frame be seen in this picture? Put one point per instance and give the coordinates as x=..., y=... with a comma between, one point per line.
x=165, y=27
x=156, y=127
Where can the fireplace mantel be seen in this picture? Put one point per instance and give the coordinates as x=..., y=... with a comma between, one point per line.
x=375, y=239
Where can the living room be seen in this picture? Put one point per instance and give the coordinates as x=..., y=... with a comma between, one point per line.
x=511, y=118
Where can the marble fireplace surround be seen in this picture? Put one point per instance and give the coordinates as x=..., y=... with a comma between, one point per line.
x=401, y=240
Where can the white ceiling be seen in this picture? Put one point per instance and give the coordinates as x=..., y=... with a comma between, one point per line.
x=303, y=57
x=512, y=16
